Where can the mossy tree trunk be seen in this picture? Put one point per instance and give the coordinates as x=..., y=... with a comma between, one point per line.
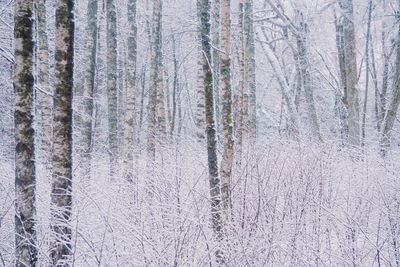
x=61, y=193
x=25, y=180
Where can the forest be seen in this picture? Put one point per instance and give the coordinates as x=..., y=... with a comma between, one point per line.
x=199, y=133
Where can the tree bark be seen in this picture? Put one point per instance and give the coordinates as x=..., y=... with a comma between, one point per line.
x=200, y=108
x=342, y=101
x=364, y=113
x=61, y=193
x=241, y=105
x=157, y=62
x=25, y=180
x=350, y=57
x=84, y=117
x=112, y=90
x=305, y=77
x=129, y=126
x=393, y=105
x=250, y=99
x=227, y=158
x=216, y=61
x=44, y=94
x=203, y=9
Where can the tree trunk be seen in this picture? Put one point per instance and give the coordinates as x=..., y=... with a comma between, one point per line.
x=227, y=159
x=44, y=94
x=250, y=99
x=156, y=110
x=84, y=117
x=342, y=101
x=158, y=64
x=25, y=180
x=382, y=96
x=305, y=77
x=203, y=9
x=200, y=108
x=129, y=126
x=216, y=60
x=112, y=85
x=364, y=113
x=350, y=56
x=393, y=106
x=240, y=105
x=175, y=87
x=61, y=194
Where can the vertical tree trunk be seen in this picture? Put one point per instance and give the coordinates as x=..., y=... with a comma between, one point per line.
x=305, y=77
x=203, y=9
x=158, y=63
x=216, y=60
x=153, y=109
x=129, y=126
x=44, y=94
x=175, y=87
x=61, y=194
x=25, y=180
x=240, y=105
x=351, y=71
x=84, y=117
x=200, y=108
x=382, y=96
x=393, y=106
x=364, y=112
x=250, y=101
x=342, y=102
x=227, y=159
x=112, y=85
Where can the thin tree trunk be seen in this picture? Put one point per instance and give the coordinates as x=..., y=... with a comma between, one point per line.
x=200, y=107
x=84, y=116
x=203, y=9
x=158, y=64
x=112, y=89
x=155, y=113
x=342, y=103
x=250, y=101
x=216, y=60
x=175, y=87
x=129, y=125
x=240, y=105
x=227, y=159
x=393, y=106
x=350, y=56
x=364, y=113
x=61, y=194
x=385, y=77
x=25, y=180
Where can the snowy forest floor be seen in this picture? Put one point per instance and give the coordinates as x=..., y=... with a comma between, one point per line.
x=293, y=205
